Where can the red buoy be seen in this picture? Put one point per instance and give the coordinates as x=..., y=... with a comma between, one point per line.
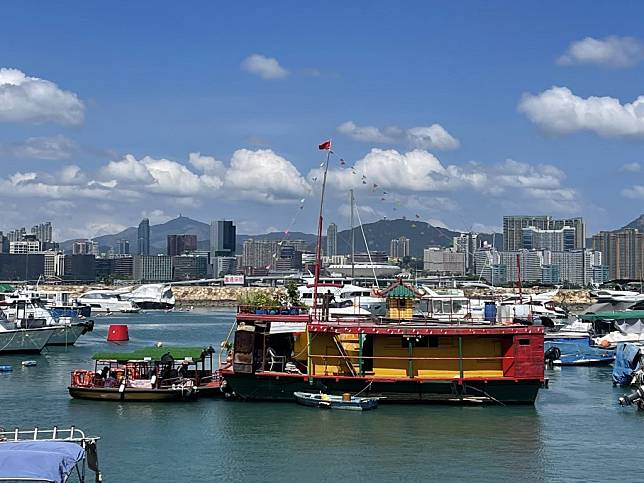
x=117, y=333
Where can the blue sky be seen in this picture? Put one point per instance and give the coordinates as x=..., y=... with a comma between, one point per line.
x=113, y=98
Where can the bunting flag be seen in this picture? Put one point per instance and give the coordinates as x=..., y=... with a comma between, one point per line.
x=325, y=146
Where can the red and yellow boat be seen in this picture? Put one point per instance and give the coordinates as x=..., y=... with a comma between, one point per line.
x=399, y=357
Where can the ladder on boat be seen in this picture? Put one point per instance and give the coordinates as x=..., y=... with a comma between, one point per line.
x=344, y=355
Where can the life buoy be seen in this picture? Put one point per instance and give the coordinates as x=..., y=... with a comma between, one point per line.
x=132, y=371
x=81, y=377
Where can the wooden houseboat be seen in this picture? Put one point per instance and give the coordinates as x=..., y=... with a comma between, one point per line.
x=149, y=374
x=399, y=357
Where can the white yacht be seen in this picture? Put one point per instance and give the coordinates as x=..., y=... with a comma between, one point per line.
x=150, y=296
x=107, y=301
x=347, y=299
x=447, y=305
x=18, y=340
x=31, y=313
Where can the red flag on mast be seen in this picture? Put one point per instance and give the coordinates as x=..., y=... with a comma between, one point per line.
x=326, y=145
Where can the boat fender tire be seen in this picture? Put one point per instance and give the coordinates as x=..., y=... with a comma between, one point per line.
x=552, y=354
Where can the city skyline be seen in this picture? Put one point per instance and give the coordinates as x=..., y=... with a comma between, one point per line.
x=482, y=127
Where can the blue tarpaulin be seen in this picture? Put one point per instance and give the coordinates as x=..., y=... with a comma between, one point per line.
x=39, y=460
x=627, y=360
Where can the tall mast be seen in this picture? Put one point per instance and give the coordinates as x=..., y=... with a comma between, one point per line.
x=353, y=236
x=318, y=253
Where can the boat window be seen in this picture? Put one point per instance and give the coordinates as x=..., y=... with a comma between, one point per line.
x=457, y=305
x=420, y=341
x=447, y=306
x=524, y=341
x=438, y=306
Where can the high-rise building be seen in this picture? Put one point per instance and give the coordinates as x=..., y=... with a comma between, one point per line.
x=189, y=267
x=513, y=234
x=443, y=261
x=123, y=247
x=143, y=238
x=467, y=243
x=180, y=244
x=332, y=240
x=43, y=232
x=399, y=247
x=260, y=253
x=622, y=251
x=561, y=239
x=152, y=268
x=223, y=238
x=224, y=266
x=85, y=247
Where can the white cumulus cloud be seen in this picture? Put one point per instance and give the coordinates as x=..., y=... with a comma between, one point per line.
x=610, y=51
x=33, y=100
x=425, y=137
x=264, y=175
x=559, y=111
x=265, y=67
x=631, y=167
x=49, y=148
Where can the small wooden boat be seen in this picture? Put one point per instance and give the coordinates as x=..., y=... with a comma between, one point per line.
x=329, y=401
x=29, y=363
x=149, y=374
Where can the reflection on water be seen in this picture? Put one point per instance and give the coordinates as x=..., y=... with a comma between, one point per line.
x=573, y=432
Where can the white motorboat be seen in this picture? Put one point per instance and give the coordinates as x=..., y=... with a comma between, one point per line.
x=449, y=305
x=31, y=314
x=345, y=299
x=15, y=340
x=150, y=296
x=107, y=301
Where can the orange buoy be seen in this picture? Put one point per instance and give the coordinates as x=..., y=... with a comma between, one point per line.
x=117, y=333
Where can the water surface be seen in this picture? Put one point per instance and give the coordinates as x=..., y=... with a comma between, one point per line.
x=576, y=431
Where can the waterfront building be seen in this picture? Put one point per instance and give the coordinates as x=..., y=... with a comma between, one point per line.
x=122, y=267
x=152, y=268
x=577, y=267
x=143, y=238
x=51, y=264
x=224, y=266
x=223, y=238
x=79, y=268
x=622, y=252
x=259, y=253
x=375, y=257
x=189, y=267
x=85, y=247
x=181, y=244
x=399, y=247
x=513, y=238
x=529, y=261
x=443, y=261
x=24, y=266
x=332, y=240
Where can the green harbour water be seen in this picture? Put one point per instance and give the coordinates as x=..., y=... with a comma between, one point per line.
x=576, y=431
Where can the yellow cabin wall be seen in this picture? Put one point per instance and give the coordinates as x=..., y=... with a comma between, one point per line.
x=391, y=346
x=400, y=309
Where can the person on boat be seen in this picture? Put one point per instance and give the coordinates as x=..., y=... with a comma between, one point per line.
x=327, y=298
x=105, y=372
x=183, y=370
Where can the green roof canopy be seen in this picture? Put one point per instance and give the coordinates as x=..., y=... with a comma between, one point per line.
x=400, y=289
x=155, y=354
x=613, y=315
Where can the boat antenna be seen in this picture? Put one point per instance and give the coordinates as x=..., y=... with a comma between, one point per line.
x=353, y=236
x=325, y=146
x=364, y=237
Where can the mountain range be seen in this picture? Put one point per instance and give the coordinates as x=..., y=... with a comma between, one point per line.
x=377, y=234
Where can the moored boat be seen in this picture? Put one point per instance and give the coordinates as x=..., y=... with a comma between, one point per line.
x=24, y=341
x=49, y=455
x=399, y=357
x=148, y=374
x=329, y=401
